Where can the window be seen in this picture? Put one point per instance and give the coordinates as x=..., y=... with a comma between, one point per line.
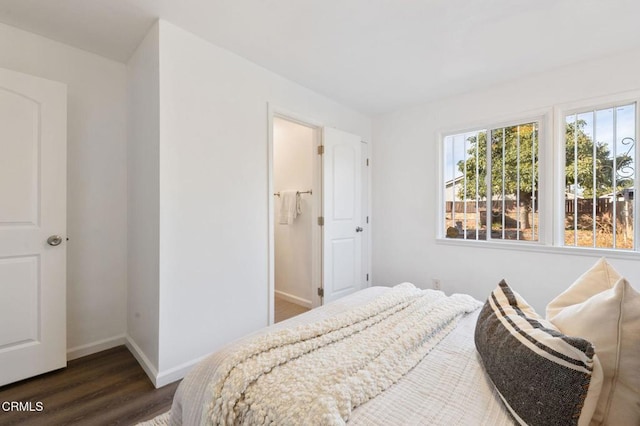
x=498, y=205
x=497, y=186
x=600, y=176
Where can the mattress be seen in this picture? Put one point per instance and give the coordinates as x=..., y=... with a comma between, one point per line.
x=448, y=387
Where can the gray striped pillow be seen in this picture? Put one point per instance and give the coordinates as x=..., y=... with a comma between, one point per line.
x=541, y=375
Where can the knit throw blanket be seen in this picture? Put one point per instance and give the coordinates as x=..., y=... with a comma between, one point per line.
x=317, y=373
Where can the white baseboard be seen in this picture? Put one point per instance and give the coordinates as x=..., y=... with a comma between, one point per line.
x=176, y=373
x=142, y=359
x=92, y=348
x=160, y=378
x=294, y=299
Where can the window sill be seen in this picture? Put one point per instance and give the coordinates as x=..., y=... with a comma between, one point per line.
x=542, y=248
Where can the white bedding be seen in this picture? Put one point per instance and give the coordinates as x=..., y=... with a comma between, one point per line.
x=448, y=387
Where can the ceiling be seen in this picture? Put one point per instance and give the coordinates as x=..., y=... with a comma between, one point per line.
x=373, y=55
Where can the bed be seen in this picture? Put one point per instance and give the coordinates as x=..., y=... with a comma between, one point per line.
x=465, y=395
x=453, y=361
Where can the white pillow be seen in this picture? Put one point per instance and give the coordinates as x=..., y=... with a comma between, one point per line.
x=598, y=278
x=603, y=308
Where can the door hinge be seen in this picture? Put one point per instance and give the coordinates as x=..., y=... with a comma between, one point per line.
x=320, y=291
x=367, y=219
x=367, y=277
x=320, y=149
x=367, y=162
x=321, y=220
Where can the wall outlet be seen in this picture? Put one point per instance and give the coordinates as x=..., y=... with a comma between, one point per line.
x=436, y=283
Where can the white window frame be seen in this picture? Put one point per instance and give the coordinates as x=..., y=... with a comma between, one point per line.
x=545, y=197
x=560, y=112
x=552, y=130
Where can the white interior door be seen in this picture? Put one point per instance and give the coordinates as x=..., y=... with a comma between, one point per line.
x=342, y=203
x=33, y=156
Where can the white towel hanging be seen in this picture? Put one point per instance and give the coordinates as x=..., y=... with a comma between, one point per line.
x=288, y=207
x=298, y=203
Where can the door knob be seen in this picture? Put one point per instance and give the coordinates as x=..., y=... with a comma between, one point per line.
x=54, y=240
x=359, y=229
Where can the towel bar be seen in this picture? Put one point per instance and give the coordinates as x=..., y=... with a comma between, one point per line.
x=277, y=194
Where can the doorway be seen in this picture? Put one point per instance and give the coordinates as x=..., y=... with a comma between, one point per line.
x=335, y=206
x=296, y=201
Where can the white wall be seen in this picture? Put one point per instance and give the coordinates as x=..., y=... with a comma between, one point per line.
x=405, y=186
x=96, y=203
x=144, y=201
x=293, y=160
x=214, y=193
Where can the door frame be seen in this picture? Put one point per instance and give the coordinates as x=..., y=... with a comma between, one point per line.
x=316, y=233
x=366, y=213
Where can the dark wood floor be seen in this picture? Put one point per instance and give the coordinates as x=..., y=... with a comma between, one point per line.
x=107, y=388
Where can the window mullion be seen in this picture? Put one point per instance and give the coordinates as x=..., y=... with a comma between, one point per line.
x=478, y=221
x=534, y=197
x=453, y=183
x=504, y=149
x=636, y=203
x=518, y=225
x=575, y=181
x=488, y=205
x=595, y=179
x=614, y=218
x=464, y=199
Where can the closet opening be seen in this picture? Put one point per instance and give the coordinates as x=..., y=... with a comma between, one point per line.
x=295, y=207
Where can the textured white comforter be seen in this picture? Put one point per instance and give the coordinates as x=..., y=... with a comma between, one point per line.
x=448, y=387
